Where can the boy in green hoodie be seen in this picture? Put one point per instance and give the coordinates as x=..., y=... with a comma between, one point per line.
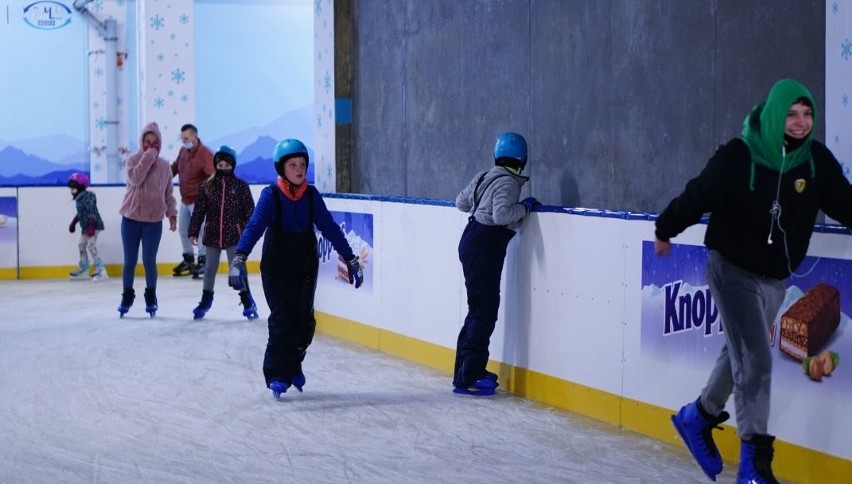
x=763, y=191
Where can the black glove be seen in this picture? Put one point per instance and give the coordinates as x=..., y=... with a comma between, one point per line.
x=73, y=226
x=356, y=274
x=530, y=204
x=237, y=272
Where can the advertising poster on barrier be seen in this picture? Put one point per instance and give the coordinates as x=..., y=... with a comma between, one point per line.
x=682, y=325
x=8, y=232
x=358, y=229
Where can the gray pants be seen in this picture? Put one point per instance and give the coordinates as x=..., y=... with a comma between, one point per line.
x=748, y=304
x=184, y=216
x=212, y=267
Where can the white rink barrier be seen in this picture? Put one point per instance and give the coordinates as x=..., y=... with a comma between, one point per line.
x=588, y=321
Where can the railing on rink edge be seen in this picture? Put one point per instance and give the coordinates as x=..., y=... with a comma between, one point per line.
x=586, y=212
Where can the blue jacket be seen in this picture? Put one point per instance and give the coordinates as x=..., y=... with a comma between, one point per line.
x=294, y=219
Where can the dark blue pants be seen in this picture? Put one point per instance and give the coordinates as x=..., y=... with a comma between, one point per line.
x=288, y=271
x=482, y=250
x=148, y=234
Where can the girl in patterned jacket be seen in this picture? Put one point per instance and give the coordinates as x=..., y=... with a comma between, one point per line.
x=89, y=219
x=224, y=205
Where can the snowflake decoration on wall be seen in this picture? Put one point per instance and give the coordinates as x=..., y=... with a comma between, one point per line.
x=319, y=121
x=183, y=19
x=157, y=22
x=100, y=122
x=327, y=82
x=99, y=72
x=159, y=102
x=178, y=76
x=184, y=98
x=161, y=57
x=835, y=8
x=317, y=7
x=845, y=100
x=846, y=49
x=99, y=6
x=170, y=93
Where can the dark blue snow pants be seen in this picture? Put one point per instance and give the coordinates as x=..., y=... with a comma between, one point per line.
x=482, y=250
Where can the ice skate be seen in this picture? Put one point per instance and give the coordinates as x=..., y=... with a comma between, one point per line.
x=198, y=270
x=299, y=381
x=278, y=387
x=756, y=461
x=249, y=306
x=483, y=387
x=696, y=429
x=151, y=301
x=81, y=273
x=186, y=267
x=100, y=272
x=204, y=305
x=127, y=298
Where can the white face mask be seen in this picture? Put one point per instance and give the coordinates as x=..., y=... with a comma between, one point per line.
x=189, y=145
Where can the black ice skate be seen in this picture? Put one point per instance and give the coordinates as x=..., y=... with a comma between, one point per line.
x=151, y=301
x=198, y=270
x=127, y=298
x=204, y=305
x=249, y=306
x=186, y=267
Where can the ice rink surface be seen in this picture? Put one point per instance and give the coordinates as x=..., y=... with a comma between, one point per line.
x=87, y=397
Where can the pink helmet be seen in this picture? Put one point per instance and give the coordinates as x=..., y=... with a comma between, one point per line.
x=79, y=181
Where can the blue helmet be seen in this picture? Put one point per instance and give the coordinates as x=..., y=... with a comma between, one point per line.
x=227, y=153
x=289, y=148
x=511, y=145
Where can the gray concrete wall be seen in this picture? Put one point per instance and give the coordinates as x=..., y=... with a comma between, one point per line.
x=621, y=101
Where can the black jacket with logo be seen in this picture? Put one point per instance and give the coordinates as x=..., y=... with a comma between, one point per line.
x=741, y=220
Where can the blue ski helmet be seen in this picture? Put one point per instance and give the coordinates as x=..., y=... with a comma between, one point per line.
x=289, y=148
x=226, y=153
x=511, y=145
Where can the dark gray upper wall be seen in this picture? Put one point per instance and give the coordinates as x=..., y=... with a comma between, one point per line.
x=622, y=101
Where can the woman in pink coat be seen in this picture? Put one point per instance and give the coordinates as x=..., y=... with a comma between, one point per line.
x=147, y=201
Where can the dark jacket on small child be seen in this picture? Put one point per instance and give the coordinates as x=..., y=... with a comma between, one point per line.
x=223, y=227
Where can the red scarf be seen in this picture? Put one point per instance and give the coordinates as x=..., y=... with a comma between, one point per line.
x=293, y=192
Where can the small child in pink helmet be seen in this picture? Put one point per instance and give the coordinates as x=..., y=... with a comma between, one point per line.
x=91, y=223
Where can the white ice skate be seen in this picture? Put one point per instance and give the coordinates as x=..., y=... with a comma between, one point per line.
x=100, y=272
x=81, y=273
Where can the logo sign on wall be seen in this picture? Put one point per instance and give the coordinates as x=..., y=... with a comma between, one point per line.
x=358, y=230
x=681, y=323
x=47, y=15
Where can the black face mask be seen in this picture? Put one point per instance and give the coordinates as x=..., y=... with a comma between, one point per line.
x=792, y=143
x=225, y=172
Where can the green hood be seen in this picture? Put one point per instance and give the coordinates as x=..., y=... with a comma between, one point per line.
x=763, y=129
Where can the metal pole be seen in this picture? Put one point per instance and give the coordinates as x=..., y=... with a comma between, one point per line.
x=111, y=78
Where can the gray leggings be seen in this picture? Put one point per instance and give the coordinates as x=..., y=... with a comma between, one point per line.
x=212, y=265
x=748, y=304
